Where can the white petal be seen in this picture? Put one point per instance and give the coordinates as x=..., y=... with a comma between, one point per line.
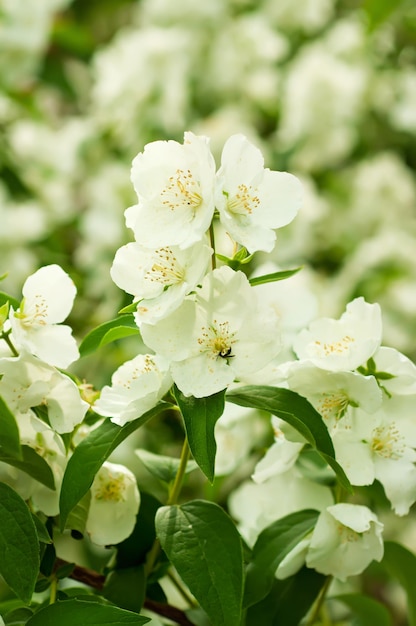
x=49, y=293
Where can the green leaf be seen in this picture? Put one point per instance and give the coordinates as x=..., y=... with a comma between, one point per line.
x=296, y=411
x=378, y=11
x=42, y=531
x=9, y=432
x=163, y=467
x=4, y=297
x=200, y=416
x=91, y=453
x=272, y=278
x=18, y=617
x=401, y=564
x=118, y=328
x=19, y=545
x=273, y=544
x=366, y=610
x=126, y=588
x=203, y=544
x=77, y=612
x=288, y=601
x=34, y=465
x=77, y=518
x=130, y=308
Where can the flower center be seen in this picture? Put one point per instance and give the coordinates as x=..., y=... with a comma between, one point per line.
x=244, y=201
x=182, y=190
x=336, y=347
x=387, y=442
x=347, y=535
x=217, y=340
x=165, y=269
x=109, y=488
x=333, y=405
x=37, y=316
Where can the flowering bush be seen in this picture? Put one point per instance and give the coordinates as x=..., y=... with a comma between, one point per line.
x=206, y=341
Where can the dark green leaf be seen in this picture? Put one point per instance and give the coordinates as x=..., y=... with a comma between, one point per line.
x=118, y=328
x=77, y=612
x=19, y=545
x=272, y=278
x=296, y=411
x=366, y=610
x=77, y=518
x=9, y=432
x=288, y=601
x=203, y=544
x=41, y=530
x=34, y=465
x=4, y=297
x=200, y=416
x=272, y=546
x=126, y=588
x=401, y=564
x=89, y=456
x=18, y=617
x=163, y=467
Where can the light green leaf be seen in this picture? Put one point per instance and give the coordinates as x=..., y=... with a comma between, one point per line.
x=203, y=544
x=118, y=328
x=32, y=464
x=19, y=544
x=200, y=416
x=400, y=563
x=77, y=612
x=91, y=453
x=273, y=544
x=378, y=11
x=366, y=610
x=296, y=411
x=163, y=467
x=4, y=297
x=272, y=278
x=9, y=432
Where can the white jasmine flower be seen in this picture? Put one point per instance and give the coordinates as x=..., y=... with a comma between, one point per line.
x=115, y=501
x=136, y=387
x=346, y=538
x=175, y=187
x=332, y=393
x=344, y=344
x=27, y=382
x=48, y=296
x=219, y=335
x=252, y=200
x=280, y=457
x=401, y=369
x=159, y=279
x=381, y=446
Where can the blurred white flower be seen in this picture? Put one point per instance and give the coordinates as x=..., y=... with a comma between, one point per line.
x=346, y=538
x=252, y=200
x=159, y=279
x=216, y=336
x=136, y=387
x=175, y=187
x=48, y=296
x=115, y=501
x=344, y=344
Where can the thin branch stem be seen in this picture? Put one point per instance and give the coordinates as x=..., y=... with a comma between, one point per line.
x=9, y=342
x=319, y=602
x=212, y=240
x=53, y=590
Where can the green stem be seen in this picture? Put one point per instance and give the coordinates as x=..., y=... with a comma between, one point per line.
x=319, y=602
x=53, y=590
x=7, y=339
x=212, y=239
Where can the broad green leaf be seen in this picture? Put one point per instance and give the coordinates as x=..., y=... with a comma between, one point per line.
x=200, y=416
x=18, y=617
x=163, y=467
x=203, y=544
x=296, y=411
x=80, y=612
x=77, y=518
x=34, y=465
x=272, y=278
x=4, y=297
x=19, y=544
x=288, y=601
x=91, y=453
x=42, y=531
x=366, y=610
x=9, y=432
x=401, y=564
x=122, y=326
x=126, y=588
x=273, y=544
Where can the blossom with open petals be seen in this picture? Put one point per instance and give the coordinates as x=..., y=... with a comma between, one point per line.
x=175, y=187
x=159, y=279
x=48, y=296
x=136, y=387
x=344, y=344
x=252, y=200
x=218, y=335
x=115, y=501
